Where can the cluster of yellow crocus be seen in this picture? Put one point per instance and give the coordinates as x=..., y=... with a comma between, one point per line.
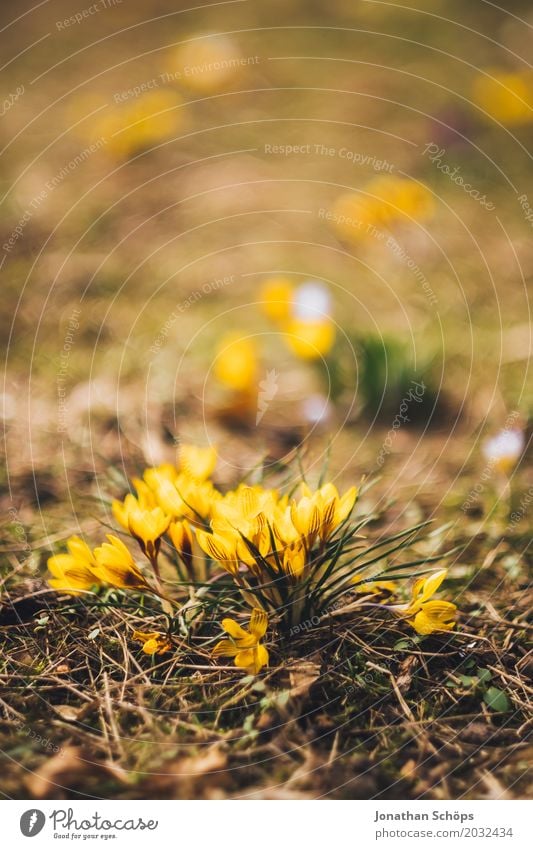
x=302, y=315
x=168, y=498
x=82, y=569
x=287, y=555
x=271, y=544
x=382, y=202
x=168, y=493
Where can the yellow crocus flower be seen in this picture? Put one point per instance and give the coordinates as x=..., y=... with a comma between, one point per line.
x=115, y=565
x=306, y=517
x=335, y=509
x=398, y=196
x=427, y=615
x=222, y=549
x=185, y=497
x=206, y=63
x=169, y=498
x=354, y=215
x=236, y=363
x=156, y=475
x=294, y=559
x=142, y=518
x=276, y=296
x=148, y=526
x=506, y=97
x=310, y=340
x=73, y=572
x=320, y=513
x=140, y=123
x=198, y=463
x=153, y=642
x=244, y=505
x=182, y=539
x=244, y=645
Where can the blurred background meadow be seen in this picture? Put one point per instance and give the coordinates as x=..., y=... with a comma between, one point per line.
x=294, y=230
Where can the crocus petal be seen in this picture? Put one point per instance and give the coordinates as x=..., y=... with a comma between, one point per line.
x=142, y=636
x=234, y=630
x=435, y=616
x=346, y=504
x=225, y=648
x=424, y=588
x=258, y=623
x=151, y=646
x=252, y=660
x=261, y=658
x=245, y=659
x=59, y=563
x=80, y=550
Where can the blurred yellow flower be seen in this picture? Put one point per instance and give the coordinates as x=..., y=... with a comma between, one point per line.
x=153, y=642
x=398, y=196
x=310, y=340
x=156, y=475
x=140, y=123
x=145, y=500
x=73, y=572
x=115, y=565
x=505, y=96
x=276, y=297
x=236, y=362
x=206, y=64
x=427, y=615
x=199, y=463
x=185, y=497
x=353, y=214
x=244, y=645
x=384, y=200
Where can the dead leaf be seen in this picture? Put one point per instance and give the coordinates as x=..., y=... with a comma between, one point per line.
x=68, y=712
x=303, y=677
x=192, y=777
x=67, y=770
x=407, y=669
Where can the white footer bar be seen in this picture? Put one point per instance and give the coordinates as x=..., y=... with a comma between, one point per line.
x=267, y=824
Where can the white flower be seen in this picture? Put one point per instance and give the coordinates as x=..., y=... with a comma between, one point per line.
x=312, y=301
x=504, y=449
x=316, y=409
